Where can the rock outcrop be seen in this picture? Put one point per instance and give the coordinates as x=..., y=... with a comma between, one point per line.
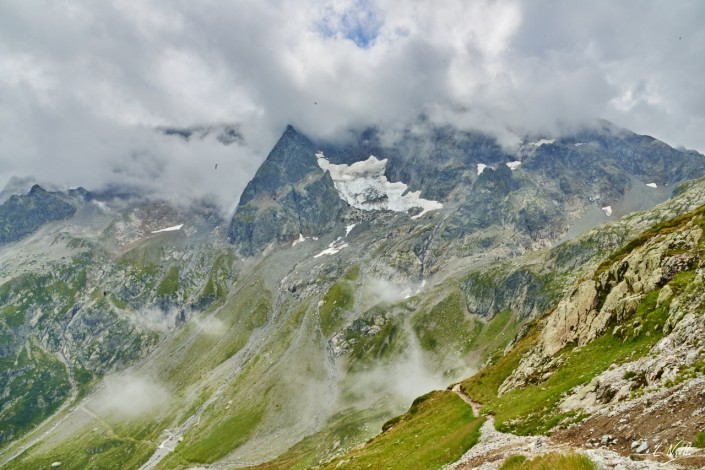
x=609, y=299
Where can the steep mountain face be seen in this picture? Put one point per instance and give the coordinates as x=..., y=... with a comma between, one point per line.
x=351, y=285
x=289, y=196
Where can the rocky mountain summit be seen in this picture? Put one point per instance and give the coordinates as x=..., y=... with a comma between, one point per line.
x=22, y=215
x=355, y=276
x=289, y=196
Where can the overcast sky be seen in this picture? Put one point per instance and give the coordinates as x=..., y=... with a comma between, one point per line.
x=83, y=83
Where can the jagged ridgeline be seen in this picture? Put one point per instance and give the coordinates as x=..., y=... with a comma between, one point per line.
x=354, y=277
x=22, y=215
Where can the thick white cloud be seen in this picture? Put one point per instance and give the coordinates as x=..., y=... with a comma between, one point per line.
x=83, y=83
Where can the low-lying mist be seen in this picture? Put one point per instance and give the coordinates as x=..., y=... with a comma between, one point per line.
x=129, y=395
x=407, y=375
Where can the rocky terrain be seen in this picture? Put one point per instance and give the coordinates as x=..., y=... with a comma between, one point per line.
x=638, y=318
x=353, y=277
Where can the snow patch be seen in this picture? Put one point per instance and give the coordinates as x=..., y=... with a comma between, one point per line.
x=333, y=247
x=652, y=185
x=480, y=168
x=299, y=240
x=349, y=228
x=513, y=165
x=578, y=144
x=608, y=210
x=169, y=229
x=364, y=186
x=541, y=142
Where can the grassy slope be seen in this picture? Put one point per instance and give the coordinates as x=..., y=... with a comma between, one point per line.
x=438, y=428
x=446, y=325
x=483, y=386
x=256, y=395
x=98, y=449
x=530, y=417
x=549, y=462
x=221, y=429
x=223, y=436
x=494, y=335
x=193, y=352
x=169, y=285
x=532, y=409
x=339, y=299
x=446, y=330
x=342, y=429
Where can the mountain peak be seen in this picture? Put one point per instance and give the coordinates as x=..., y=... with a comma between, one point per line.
x=289, y=196
x=36, y=189
x=22, y=215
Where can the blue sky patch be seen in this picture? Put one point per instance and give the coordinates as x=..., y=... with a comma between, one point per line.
x=359, y=23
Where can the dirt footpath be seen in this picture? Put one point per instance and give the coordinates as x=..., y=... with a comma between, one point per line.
x=658, y=422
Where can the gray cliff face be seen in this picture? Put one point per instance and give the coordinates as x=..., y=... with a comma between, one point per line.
x=290, y=195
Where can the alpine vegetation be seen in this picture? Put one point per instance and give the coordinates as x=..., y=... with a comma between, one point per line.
x=353, y=235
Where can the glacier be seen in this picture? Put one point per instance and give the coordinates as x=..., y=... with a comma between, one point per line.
x=364, y=186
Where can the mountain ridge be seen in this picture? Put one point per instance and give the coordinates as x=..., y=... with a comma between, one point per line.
x=348, y=316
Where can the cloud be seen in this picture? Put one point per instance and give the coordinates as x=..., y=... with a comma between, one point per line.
x=129, y=395
x=154, y=319
x=408, y=377
x=83, y=84
x=210, y=326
